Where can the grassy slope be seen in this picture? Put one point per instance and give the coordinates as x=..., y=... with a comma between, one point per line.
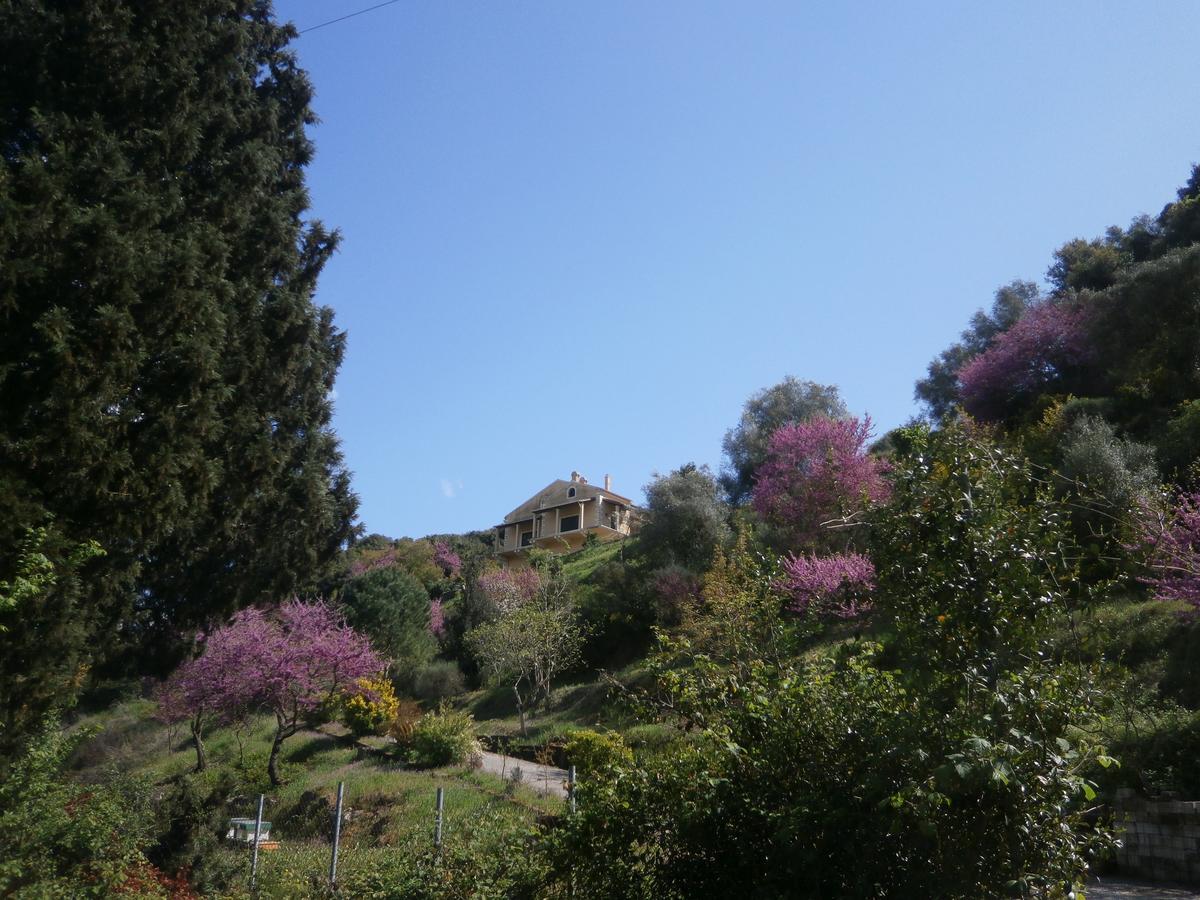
x=581, y=701
x=580, y=564
x=389, y=803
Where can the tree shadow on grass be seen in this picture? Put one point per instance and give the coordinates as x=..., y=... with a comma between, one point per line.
x=302, y=753
x=496, y=703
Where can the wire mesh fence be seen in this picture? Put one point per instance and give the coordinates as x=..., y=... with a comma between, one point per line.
x=359, y=841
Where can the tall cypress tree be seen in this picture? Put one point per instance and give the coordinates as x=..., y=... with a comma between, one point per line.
x=164, y=371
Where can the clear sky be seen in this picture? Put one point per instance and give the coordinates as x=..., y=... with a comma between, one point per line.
x=577, y=235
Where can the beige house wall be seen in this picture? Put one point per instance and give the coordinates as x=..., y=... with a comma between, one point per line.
x=607, y=515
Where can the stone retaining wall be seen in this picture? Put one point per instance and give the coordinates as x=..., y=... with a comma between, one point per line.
x=1161, y=839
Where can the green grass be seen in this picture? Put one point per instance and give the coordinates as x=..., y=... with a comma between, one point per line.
x=585, y=702
x=580, y=564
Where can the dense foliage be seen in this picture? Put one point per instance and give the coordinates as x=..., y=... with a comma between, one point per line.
x=164, y=373
x=44, y=617
x=685, y=518
x=62, y=839
x=958, y=774
x=393, y=608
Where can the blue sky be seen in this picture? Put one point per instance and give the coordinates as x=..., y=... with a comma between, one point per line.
x=579, y=235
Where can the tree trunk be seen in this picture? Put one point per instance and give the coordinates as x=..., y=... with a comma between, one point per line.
x=273, y=760
x=520, y=710
x=198, y=739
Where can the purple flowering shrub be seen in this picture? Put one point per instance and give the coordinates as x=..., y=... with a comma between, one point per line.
x=1171, y=540
x=834, y=584
x=437, y=618
x=1049, y=340
x=816, y=471
x=507, y=589
x=446, y=559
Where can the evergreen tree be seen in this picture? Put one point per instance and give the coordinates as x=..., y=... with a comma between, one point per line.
x=164, y=372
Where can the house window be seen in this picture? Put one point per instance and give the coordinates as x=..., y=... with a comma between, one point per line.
x=569, y=523
x=570, y=492
x=526, y=538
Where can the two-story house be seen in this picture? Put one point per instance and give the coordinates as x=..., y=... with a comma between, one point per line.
x=561, y=516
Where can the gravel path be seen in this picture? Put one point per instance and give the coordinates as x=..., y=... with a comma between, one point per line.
x=543, y=779
x=1121, y=889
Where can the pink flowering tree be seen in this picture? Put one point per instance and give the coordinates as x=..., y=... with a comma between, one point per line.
x=437, y=618
x=1171, y=540
x=372, y=560
x=209, y=689
x=1049, y=341
x=446, y=559
x=837, y=584
x=289, y=661
x=815, y=472
x=307, y=655
x=508, y=589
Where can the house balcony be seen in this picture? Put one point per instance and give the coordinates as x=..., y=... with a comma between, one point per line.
x=556, y=531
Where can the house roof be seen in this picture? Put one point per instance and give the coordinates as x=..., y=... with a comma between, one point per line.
x=555, y=494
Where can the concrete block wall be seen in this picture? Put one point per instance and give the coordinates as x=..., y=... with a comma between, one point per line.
x=1161, y=838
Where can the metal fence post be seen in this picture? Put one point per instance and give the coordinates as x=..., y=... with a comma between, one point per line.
x=571, y=787
x=437, y=818
x=254, y=849
x=337, y=832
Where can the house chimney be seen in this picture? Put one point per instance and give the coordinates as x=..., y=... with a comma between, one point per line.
x=608, y=482
x=574, y=476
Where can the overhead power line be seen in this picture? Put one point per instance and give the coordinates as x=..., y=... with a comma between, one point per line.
x=347, y=16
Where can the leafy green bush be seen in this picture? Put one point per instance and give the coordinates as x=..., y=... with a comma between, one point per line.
x=594, y=752
x=63, y=839
x=953, y=763
x=1159, y=753
x=439, y=681
x=443, y=738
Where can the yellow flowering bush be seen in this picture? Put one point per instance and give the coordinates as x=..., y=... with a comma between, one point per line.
x=371, y=707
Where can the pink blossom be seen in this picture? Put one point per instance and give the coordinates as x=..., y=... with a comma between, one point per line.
x=446, y=559
x=288, y=661
x=1172, y=545
x=437, y=618
x=815, y=471
x=506, y=589
x=677, y=586
x=304, y=655
x=370, y=561
x=831, y=584
x=1047, y=341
